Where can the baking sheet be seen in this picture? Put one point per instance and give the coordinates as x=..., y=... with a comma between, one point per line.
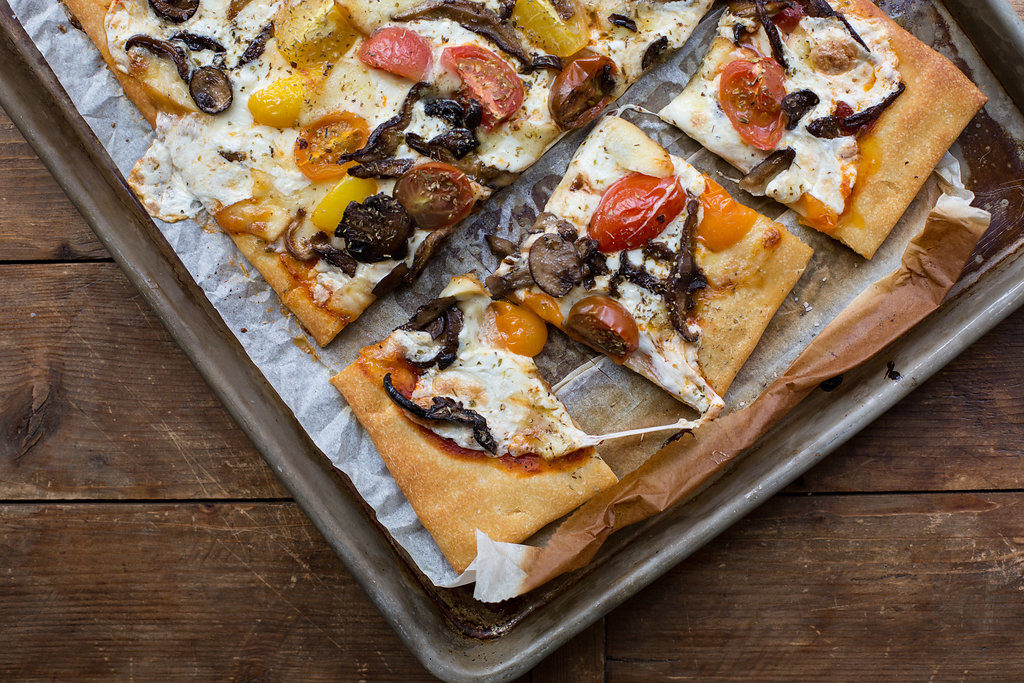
x=278, y=347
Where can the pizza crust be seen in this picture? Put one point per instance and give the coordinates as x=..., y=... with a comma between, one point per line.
x=909, y=139
x=454, y=495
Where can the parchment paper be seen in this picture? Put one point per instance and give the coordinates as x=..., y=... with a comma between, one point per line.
x=601, y=395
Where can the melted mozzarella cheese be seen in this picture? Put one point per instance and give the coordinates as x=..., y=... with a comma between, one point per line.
x=825, y=169
x=522, y=413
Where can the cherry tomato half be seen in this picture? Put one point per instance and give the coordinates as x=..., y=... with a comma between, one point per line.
x=397, y=50
x=519, y=328
x=319, y=146
x=751, y=94
x=488, y=79
x=604, y=324
x=635, y=210
x=435, y=194
x=581, y=90
x=788, y=18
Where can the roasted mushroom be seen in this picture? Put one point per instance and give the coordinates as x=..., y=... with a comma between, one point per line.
x=653, y=52
x=686, y=278
x=445, y=409
x=757, y=180
x=500, y=247
x=210, y=89
x=555, y=264
x=796, y=105
x=429, y=312
x=386, y=137
x=502, y=285
x=198, y=43
x=774, y=38
x=449, y=146
x=300, y=249
x=381, y=168
x=376, y=229
x=257, y=46
x=336, y=257
x=392, y=280
x=858, y=122
x=622, y=21
x=175, y=11
x=162, y=48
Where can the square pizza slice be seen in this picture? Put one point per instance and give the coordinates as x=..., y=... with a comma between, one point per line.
x=829, y=107
x=340, y=143
x=471, y=432
x=645, y=259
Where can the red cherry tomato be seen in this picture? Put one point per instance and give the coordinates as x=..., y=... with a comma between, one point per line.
x=635, y=210
x=751, y=93
x=788, y=18
x=488, y=79
x=582, y=89
x=397, y=50
x=435, y=194
x=605, y=325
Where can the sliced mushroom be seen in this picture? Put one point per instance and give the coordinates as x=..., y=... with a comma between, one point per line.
x=686, y=278
x=653, y=52
x=501, y=247
x=774, y=38
x=210, y=89
x=859, y=121
x=445, y=409
x=548, y=62
x=757, y=180
x=638, y=275
x=175, y=11
x=162, y=48
x=429, y=312
x=796, y=105
x=622, y=21
x=821, y=8
x=198, y=43
x=747, y=9
x=336, y=257
x=299, y=248
x=376, y=229
x=502, y=285
x=452, y=320
x=827, y=127
x=257, y=46
x=382, y=168
x=447, y=110
x=449, y=146
x=386, y=137
x=594, y=262
x=475, y=17
x=392, y=280
x=555, y=265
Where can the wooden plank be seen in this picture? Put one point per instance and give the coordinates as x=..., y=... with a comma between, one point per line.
x=909, y=586
x=581, y=660
x=37, y=221
x=99, y=402
x=184, y=591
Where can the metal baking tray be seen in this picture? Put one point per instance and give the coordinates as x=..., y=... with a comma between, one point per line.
x=454, y=636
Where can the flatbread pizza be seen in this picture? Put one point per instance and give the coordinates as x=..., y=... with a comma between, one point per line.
x=829, y=107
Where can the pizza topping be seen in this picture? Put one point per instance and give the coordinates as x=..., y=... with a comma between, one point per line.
x=751, y=94
x=844, y=122
x=255, y=49
x=788, y=18
x=861, y=120
x=584, y=87
x=312, y=32
x=757, y=180
x=279, y=103
x=475, y=17
x=429, y=312
x=500, y=247
x=502, y=285
x=686, y=278
x=558, y=27
x=331, y=254
x=386, y=137
x=821, y=8
x=435, y=194
x=724, y=221
x=444, y=409
x=521, y=330
x=162, y=48
x=443, y=320
x=555, y=264
x=634, y=210
x=653, y=52
x=198, y=43
x=796, y=104
x=488, y=79
x=449, y=146
x=375, y=229
x=299, y=248
x=322, y=146
x=175, y=11
x=329, y=211
x=397, y=50
x=467, y=114
x=210, y=89
x=772, y=31
x=604, y=324
x=622, y=21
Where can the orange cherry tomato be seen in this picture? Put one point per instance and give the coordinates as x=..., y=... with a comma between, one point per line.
x=604, y=324
x=519, y=328
x=397, y=50
x=635, y=210
x=725, y=221
x=319, y=147
x=751, y=94
x=544, y=305
x=814, y=213
x=488, y=79
x=435, y=194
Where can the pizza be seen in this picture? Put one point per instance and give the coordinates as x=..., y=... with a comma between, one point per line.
x=642, y=257
x=830, y=108
x=339, y=143
x=471, y=432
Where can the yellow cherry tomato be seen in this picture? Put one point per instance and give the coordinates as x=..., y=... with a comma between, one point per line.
x=279, y=103
x=544, y=305
x=519, y=328
x=541, y=22
x=331, y=208
x=243, y=216
x=312, y=32
x=725, y=221
x=816, y=214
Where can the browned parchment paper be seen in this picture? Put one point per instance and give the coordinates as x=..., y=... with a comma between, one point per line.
x=930, y=266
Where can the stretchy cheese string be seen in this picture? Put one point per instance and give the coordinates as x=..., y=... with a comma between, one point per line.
x=681, y=425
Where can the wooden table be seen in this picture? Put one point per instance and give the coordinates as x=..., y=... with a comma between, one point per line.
x=142, y=535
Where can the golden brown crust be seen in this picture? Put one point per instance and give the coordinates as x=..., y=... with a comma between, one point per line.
x=907, y=142
x=734, y=314
x=454, y=495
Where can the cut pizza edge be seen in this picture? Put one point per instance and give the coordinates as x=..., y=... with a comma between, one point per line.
x=456, y=491
x=899, y=150
x=748, y=280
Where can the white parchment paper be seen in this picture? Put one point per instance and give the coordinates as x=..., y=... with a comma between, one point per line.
x=601, y=395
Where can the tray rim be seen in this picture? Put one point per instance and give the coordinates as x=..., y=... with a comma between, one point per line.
x=164, y=283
